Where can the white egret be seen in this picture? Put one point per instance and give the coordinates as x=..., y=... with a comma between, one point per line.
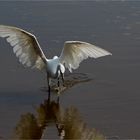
x=30, y=54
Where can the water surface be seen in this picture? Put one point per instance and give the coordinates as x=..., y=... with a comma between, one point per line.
x=108, y=103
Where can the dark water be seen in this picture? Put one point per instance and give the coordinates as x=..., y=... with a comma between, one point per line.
x=110, y=103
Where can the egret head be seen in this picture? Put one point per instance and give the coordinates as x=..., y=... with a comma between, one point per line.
x=55, y=57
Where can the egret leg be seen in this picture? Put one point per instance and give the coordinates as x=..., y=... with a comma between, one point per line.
x=62, y=76
x=58, y=82
x=59, y=88
x=49, y=88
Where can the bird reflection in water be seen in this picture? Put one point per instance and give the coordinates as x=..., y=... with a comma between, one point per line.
x=68, y=122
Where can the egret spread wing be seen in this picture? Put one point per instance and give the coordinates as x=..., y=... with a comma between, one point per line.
x=25, y=46
x=76, y=51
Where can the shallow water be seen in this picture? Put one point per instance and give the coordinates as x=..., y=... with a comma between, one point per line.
x=110, y=101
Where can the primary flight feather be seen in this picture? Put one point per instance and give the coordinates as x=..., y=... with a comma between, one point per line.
x=30, y=54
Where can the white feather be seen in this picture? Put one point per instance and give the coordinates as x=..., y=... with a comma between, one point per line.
x=75, y=52
x=25, y=46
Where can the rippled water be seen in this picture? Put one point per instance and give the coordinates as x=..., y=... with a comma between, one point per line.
x=110, y=101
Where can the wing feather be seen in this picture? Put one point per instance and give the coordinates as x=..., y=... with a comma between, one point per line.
x=25, y=46
x=74, y=52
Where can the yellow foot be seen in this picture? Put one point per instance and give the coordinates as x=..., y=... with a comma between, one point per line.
x=59, y=89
